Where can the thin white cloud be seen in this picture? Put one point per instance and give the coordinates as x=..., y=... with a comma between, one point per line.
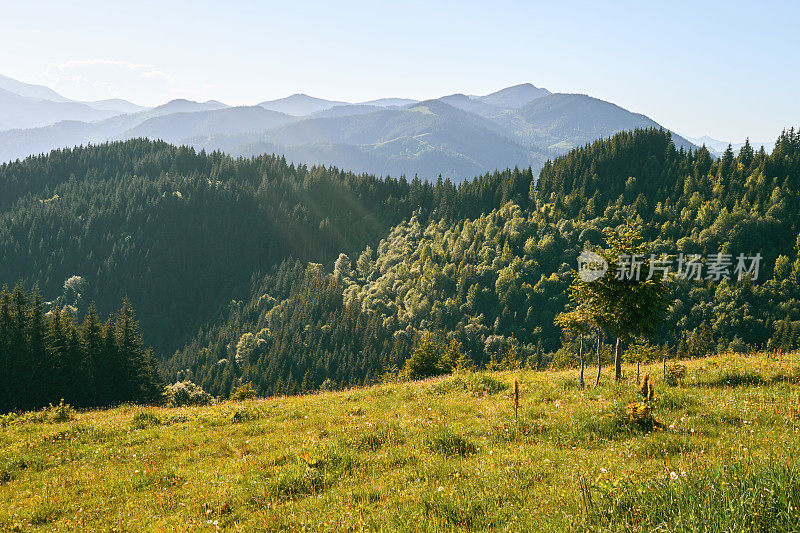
x=77, y=63
x=97, y=79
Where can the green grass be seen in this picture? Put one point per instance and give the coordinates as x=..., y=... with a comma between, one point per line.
x=436, y=455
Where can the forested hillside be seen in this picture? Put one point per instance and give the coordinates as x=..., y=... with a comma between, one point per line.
x=495, y=281
x=183, y=233
x=294, y=277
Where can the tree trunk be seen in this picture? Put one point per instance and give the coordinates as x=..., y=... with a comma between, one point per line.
x=617, y=363
x=580, y=355
x=637, y=372
x=596, y=383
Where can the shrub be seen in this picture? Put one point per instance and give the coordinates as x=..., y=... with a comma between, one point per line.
x=245, y=391
x=63, y=412
x=185, y=393
x=563, y=359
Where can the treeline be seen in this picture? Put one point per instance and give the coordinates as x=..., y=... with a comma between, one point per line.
x=182, y=233
x=45, y=356
x=495, y=282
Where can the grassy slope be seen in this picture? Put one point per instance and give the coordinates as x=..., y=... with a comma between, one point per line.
x=423, y=456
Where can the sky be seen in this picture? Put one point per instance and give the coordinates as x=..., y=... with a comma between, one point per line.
x=725, y=69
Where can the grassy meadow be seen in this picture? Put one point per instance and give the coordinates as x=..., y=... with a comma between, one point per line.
x=717, y=451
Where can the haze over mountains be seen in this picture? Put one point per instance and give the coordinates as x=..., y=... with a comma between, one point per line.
x=23, y=105
x=456, y=136
x=718, y=147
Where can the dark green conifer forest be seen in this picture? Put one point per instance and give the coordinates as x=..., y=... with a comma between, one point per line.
x=295, y=278
x=47, y=356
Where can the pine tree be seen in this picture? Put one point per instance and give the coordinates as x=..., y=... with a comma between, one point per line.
x=424, y=360
x=8, y=374
x=92, y=344
x=307, y=384
x=40, y=364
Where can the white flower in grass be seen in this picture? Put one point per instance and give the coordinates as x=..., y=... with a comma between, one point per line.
x=673, y=476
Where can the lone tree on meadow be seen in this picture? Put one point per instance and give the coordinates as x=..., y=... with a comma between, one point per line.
x=632, y=297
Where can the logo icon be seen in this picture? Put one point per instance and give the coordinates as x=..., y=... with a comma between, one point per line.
x=591, y=266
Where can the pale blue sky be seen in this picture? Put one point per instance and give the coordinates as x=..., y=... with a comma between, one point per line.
x=726, y=69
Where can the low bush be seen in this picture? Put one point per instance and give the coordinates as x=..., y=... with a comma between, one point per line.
x=185, y=393
x=245, y=391
x=63, y=412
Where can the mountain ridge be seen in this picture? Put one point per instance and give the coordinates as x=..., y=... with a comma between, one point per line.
x=455, y=136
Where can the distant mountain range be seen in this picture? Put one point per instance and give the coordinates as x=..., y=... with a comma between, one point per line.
x=718, y=147
x=455, y=136
x=23, y=105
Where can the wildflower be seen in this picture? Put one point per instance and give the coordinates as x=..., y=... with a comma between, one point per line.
x=440, y=489
x=673, y=476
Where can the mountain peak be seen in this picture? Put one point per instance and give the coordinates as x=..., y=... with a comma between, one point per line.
x=515, y=96
x=184, y=101
x=300, y=104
